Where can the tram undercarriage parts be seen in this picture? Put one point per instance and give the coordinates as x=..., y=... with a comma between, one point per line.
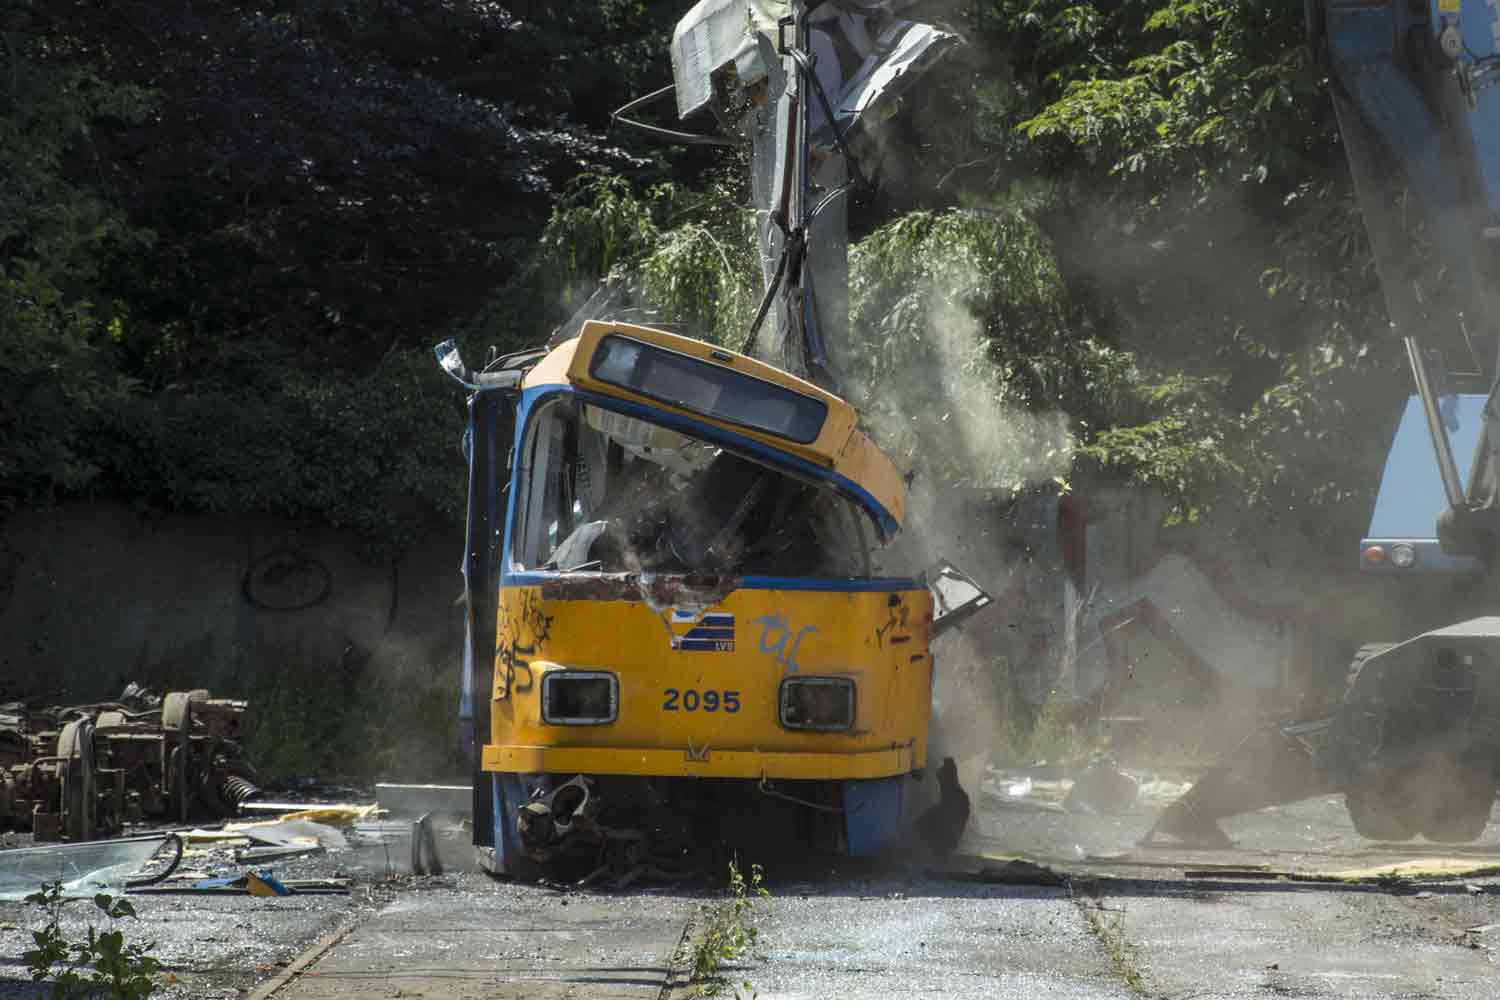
x=562, y=827
x=81, y=772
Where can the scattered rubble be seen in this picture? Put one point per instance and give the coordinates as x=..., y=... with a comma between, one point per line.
x=1104, y=790
x=223, y=860
x=80, y=772
x=1019, y=871
x=1100, y=788
x=255, y=882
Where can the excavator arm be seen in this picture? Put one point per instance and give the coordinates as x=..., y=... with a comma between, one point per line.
x=1416, y=88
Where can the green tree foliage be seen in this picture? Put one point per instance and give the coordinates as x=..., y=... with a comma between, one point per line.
x=229, y=232
x=97, y=397
x=964, y=328
x=230, y=228
x=1204, y=222
x=679, y=256
x=375, y=452
x=57, y=238
x=317, y=181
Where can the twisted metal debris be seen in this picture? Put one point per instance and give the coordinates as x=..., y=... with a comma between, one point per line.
x=83, y=771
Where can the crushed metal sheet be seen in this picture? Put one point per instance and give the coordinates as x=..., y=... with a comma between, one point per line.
x=223, y=838
x=237, y=886
x=299, y=833
x=414, y=800
x=280, y=808
x=258, y=855
x=333, y=815
x=1025, y=790
x=240, y=834
x=263, y=883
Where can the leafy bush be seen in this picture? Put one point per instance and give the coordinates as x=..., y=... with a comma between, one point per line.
x=376, y=453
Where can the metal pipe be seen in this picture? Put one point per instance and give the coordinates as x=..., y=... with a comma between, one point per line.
x=621, y=117
x=1442, y=446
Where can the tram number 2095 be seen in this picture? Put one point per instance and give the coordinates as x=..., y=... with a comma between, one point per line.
x=690, y=700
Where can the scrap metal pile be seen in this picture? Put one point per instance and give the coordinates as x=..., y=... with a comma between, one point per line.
x=84, y=771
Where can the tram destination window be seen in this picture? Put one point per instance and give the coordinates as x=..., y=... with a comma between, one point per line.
x=709, y=389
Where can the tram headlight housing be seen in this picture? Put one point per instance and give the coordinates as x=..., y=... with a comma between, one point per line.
x=580, y=698
x=821, y=704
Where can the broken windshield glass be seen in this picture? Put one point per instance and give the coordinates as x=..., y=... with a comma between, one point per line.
x=609, y=493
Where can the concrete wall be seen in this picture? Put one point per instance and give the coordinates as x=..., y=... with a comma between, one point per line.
x=93, y=595
x=1169, y=626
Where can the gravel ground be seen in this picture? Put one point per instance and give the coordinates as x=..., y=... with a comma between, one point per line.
x=1131, y=923
x=219, y=946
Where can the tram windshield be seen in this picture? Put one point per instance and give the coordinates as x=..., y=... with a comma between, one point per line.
x=606, y=492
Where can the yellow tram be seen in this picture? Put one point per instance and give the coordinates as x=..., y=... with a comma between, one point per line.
x=670, y=555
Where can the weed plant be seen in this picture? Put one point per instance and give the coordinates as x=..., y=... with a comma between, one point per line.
x=730, y=935
x=103, y=965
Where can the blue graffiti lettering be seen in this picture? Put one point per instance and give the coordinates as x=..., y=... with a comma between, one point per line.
x=777, y=639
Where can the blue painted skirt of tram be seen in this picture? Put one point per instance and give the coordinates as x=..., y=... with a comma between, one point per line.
x=872, y=814
x=508, y=797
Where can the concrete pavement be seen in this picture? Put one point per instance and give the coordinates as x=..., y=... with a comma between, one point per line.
x=1132, y=923
x=476, y=939
x=930, y=938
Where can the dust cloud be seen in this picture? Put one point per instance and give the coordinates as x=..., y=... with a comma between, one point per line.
x=978, y=461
